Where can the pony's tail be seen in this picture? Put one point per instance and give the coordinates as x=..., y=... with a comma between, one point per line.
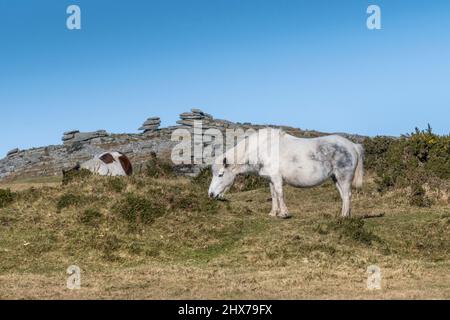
x=359, y=172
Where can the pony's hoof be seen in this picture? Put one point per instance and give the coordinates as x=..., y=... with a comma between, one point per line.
x=284, y=216
x=273, y=214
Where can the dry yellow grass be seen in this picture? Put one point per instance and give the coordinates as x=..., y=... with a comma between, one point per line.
x=228, y=250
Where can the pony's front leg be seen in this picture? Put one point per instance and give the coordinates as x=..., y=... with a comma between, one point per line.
x=278, y=187
x=275, y=208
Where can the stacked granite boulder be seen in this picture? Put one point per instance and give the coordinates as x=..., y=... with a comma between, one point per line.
x=200, y=134
x=151, y=124
x=70, y=137
x=188, y=118
x=13, y=152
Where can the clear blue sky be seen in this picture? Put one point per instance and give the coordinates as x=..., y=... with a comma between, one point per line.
x=310, y=64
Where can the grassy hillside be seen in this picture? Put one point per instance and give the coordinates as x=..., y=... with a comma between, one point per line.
x=147, y=237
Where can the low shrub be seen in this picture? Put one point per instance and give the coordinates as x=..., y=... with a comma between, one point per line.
x=75, y=175
x=69, y=200
x=410, y=161
x=29, y=195
x=137, y=209
x=108, y=245
x=194, y=200
x=91, y=217
x=6, y=197
x=116, y=184
x=418, y=196
x=158, y=168
x=204, y=178
x=351, y=228
x=243, y=182
x=248, y=182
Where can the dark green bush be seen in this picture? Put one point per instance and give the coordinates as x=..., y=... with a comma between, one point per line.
x=158, y=168
x=194, y=200
x=353, y=228
x=376, y=151
x=69, y=200
x=91, y=217
x=6, y=197
x=136, y=209
x=75, y=175
x=418, y=196
x=409, y=161
x=243, y=182
x=248, y=182
x=108, y=245
x=204, y=178
x=116, y=184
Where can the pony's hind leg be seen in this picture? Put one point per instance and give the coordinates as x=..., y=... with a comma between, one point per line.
x=338, y=186
x=344, y=185
x=346, y=199
x=275, y=208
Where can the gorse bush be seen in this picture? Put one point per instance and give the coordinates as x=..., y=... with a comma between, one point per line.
x=409, y=161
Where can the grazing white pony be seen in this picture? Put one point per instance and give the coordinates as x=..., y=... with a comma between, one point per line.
x=107, y=164
x=300, y=162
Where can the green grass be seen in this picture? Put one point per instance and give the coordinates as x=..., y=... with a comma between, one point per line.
x=91, y=217
x=37, y=180
x=172, y=223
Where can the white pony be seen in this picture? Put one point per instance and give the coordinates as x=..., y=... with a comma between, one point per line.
x=107, y=164
x=297, y=161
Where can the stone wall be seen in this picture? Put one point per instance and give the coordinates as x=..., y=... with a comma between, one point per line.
x=80, y=146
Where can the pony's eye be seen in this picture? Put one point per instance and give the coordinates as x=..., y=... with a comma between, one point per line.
x=221, y=175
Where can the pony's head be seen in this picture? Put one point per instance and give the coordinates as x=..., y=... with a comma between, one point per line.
x=223, y=178
x=69, y=171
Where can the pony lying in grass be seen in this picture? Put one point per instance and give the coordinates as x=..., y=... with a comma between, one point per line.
x=296, y=161
x=106, y=164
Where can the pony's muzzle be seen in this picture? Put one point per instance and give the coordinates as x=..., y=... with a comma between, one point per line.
x=214, y=196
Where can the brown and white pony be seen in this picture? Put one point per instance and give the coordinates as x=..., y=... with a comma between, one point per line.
x=107, y=164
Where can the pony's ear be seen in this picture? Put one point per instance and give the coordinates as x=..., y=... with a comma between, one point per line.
x=225, y=162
